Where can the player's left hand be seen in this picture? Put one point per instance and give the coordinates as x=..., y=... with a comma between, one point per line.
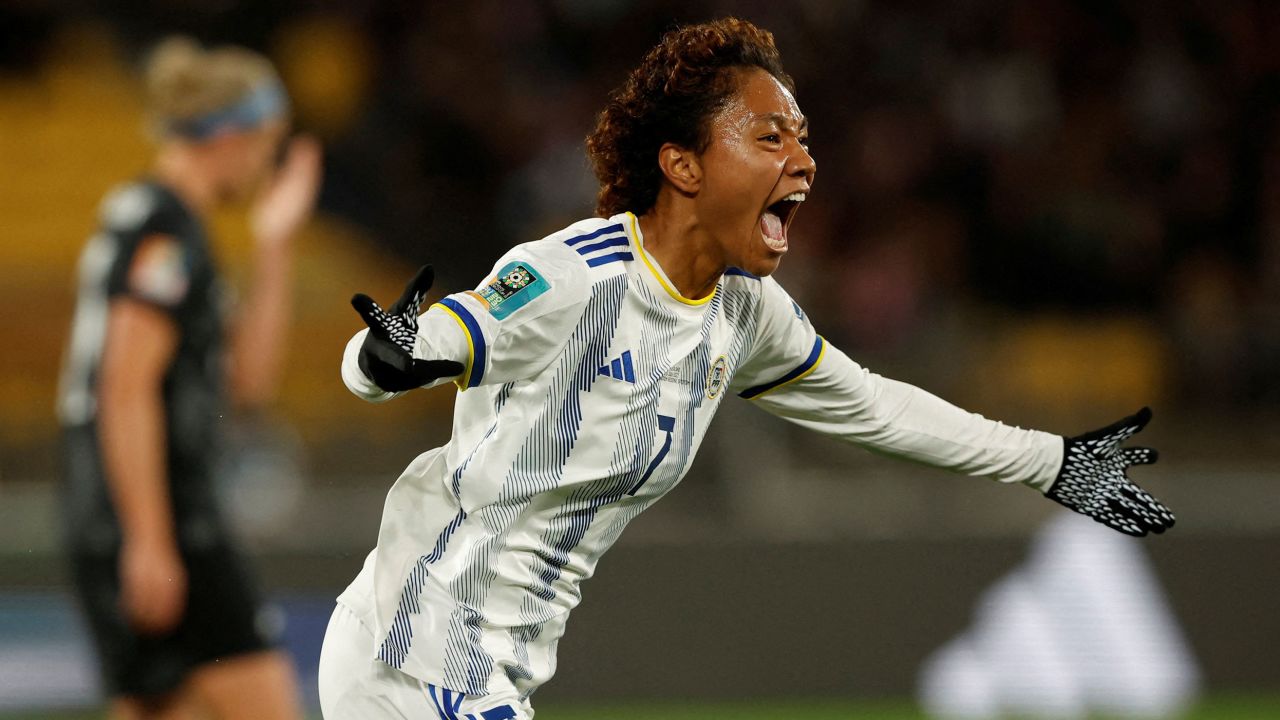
x=1093, y=482
x=386, y=356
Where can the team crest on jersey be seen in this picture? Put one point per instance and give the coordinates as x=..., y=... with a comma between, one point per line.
x=717, y=377
x=512, y=288
x=158, y=271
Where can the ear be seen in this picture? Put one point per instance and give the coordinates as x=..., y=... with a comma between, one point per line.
x=681, y=167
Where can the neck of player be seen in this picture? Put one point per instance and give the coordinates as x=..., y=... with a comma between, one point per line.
x=180, y=170
x=692, y=260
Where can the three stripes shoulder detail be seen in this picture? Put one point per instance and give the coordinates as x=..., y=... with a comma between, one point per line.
x=603, y=246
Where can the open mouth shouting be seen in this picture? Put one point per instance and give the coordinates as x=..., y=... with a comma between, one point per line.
x=777, y=217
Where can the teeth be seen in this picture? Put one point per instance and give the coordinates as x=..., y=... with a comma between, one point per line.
x=795, y=197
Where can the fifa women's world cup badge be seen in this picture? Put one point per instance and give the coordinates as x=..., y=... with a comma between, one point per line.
x=517, y=279
x=717, y=376
x=512, y=288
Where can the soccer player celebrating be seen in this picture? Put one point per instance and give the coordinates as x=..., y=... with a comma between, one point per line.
x=173, y=611
x=592, y=363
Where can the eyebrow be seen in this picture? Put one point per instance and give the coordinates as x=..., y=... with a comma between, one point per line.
x=784, y=121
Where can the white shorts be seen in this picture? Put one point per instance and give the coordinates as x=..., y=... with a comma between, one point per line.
x=355, y=685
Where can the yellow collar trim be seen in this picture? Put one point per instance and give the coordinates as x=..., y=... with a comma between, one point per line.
x=634, y=229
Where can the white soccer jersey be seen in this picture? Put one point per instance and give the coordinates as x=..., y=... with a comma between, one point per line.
x=589, y=385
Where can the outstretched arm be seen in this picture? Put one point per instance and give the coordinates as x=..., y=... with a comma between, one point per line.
x=844, y=400
x=510, y=327
x=795, y=374
x=1086, y=473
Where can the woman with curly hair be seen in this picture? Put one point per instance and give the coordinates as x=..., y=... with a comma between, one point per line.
x=594, y=360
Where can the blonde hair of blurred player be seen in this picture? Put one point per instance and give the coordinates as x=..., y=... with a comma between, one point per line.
x=185, y=82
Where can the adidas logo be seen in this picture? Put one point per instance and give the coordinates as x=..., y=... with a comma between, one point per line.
x=620, y=368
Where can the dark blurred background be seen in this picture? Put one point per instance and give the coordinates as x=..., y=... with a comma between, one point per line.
x=1052, y=213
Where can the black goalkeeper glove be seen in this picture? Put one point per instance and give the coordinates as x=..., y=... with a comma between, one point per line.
x=1092, y=480
x=386, y=356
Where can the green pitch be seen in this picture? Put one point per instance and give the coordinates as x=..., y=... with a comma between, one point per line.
x=1218, y=708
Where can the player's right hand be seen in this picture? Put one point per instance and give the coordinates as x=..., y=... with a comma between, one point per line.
x=287, y=200
x=153, y=585
x=386, y=356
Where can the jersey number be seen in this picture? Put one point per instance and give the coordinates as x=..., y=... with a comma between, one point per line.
x=667, y=425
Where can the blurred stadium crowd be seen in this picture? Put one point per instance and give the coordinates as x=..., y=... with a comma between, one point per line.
x=1089, y=158
x=1080, y=158
x=1047, y=212
x=1083, y=157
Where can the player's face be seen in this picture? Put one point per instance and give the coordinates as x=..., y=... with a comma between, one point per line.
x=249, y=156
x=756, y=172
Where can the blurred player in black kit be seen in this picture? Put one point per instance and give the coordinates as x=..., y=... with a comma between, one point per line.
x=147, y=385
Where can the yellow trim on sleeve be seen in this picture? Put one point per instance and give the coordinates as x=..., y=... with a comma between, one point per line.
x=822, y=352
x=635, y=240
x=461, y=380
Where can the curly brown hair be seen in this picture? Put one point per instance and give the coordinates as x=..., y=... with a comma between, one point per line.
x=671, y=97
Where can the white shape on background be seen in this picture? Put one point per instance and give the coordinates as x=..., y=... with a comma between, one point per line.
x=1081, y=627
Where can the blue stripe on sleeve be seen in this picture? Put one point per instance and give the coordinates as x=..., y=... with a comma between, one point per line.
x=617, y=227
x=801, y=369
x=607, y=242
x=606, y=259
x=479, y=353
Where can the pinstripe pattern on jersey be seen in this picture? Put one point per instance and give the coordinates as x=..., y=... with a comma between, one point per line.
x=739, y=313
x=670, y=474
x=400, y=636
x=504, y=394
x=520, y=639
x=636, y=439
x=534, y=538
x=633, y=447
x=466, y=664
x=638, y=433
x=739, y=310
x=538, y=468
x=414, y=586
x=499, y=400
